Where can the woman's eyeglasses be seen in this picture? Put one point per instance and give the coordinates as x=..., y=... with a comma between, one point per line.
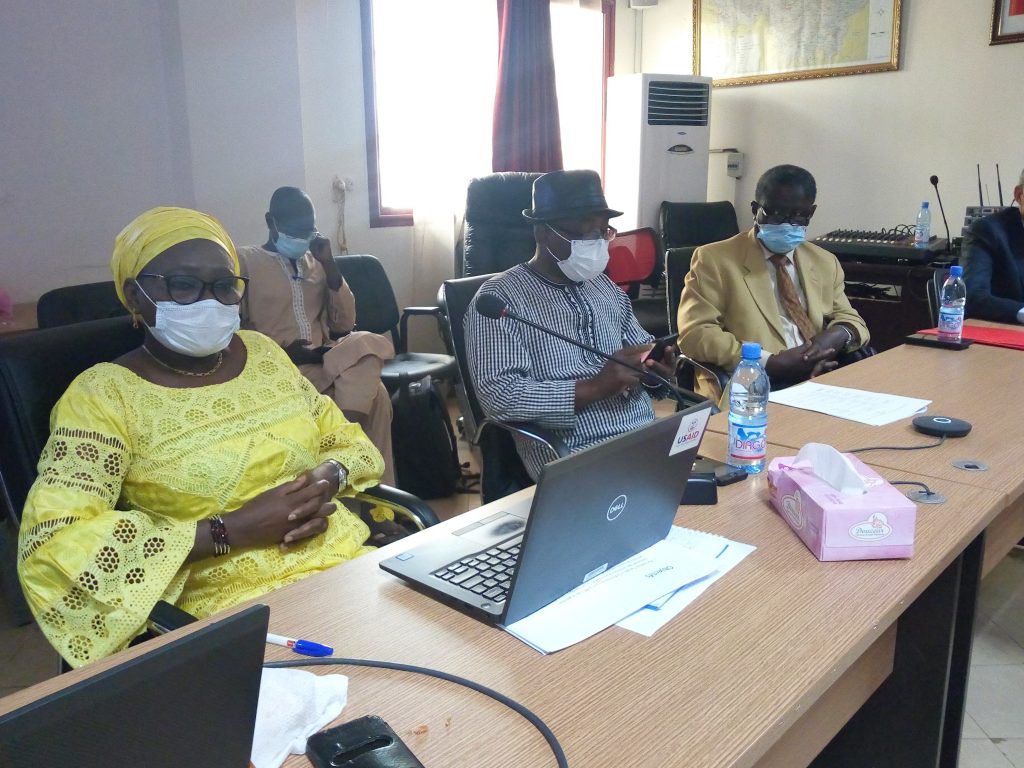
x=185, y=289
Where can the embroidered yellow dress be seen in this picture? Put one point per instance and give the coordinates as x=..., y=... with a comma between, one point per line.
x=131, y=466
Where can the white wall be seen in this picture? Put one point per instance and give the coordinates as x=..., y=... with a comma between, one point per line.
x=87, y=137
x=873, y=140
x=111, y=108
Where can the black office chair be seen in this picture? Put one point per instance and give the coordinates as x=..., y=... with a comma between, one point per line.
x=677, y=265
x=35, y=370
x=688, y=225
x=502, y=471
x=495, y=235
x=377, y=312
x=77, y=304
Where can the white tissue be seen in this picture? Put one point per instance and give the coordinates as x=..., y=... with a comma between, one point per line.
x=831, y=466
x=293, y=705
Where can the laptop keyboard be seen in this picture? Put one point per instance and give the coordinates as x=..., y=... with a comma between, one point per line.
x=488, y=573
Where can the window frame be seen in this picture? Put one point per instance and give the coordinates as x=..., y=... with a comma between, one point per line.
x=403, y=217
x=379, y=216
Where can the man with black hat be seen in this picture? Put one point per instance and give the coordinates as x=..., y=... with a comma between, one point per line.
x=522, y=374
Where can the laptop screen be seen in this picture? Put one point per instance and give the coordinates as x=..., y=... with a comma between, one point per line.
x=190, y=702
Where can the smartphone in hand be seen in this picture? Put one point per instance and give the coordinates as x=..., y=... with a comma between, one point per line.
x=660, y=345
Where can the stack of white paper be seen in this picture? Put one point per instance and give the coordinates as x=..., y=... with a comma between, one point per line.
x=726, y=555
x=872, y=408
x=605, y=599
x=641, y=594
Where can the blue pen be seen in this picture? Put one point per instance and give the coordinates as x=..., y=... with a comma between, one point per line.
x=305, y=647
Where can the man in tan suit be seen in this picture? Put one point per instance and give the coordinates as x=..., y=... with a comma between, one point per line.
x=770, y=286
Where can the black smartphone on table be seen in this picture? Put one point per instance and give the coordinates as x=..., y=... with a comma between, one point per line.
x=725, y=474
x=927, y=340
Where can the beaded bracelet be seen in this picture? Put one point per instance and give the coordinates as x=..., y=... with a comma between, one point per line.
x=219, y=534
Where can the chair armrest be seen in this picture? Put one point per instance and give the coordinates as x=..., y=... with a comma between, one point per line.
x=721, y=375
x=166, y=617
x=401, y=502
x=403, y=334
x=528, y=430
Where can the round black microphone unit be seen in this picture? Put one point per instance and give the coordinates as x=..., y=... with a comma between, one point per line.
x=941, y=426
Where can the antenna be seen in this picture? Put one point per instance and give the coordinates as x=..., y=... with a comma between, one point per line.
x=999, y=181
x=981, y=200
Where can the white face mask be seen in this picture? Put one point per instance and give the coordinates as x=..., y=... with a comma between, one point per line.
x=587, y=258
x=197, y=330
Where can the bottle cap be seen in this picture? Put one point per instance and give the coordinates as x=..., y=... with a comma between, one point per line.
x=924, y=204
x=956, y=271
x=750, y=350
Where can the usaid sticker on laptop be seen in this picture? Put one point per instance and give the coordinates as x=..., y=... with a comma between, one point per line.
x=690, y=431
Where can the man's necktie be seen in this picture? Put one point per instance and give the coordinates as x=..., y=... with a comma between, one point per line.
x=790, y=299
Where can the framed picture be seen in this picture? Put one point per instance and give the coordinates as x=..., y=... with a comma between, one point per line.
x=744, y=42
x=1008, y=22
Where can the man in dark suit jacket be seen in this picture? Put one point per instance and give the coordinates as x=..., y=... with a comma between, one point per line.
x=993, y=261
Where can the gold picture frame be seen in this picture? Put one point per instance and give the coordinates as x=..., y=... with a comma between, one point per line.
x=1007, y=28
x=713, y=47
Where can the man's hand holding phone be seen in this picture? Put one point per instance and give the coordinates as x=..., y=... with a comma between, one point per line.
x=661, y=360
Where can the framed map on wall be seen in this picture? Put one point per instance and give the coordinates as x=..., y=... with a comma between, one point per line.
x=1008, y=22
x=742, y=42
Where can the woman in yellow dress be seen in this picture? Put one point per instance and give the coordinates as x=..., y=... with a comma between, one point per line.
x=199, y=468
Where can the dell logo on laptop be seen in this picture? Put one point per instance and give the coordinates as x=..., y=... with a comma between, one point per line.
x=616, y=507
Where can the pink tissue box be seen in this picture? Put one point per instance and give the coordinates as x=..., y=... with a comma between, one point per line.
x=875, y=525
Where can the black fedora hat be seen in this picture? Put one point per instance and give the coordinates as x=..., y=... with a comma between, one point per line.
x=567, y=195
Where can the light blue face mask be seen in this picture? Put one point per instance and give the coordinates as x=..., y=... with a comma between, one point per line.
x=293, y=248
x=781, y=238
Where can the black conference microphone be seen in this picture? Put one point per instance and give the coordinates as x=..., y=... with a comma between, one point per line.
x=491, y=306
x=935, y=183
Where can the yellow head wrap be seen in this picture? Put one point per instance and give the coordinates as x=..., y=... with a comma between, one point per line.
x=153, y=232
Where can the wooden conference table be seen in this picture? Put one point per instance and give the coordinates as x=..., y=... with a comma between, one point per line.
x=977, y=384
x=777, y=658
x=761, y=671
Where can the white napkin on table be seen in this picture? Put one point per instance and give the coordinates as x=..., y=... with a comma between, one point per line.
x=294, y=704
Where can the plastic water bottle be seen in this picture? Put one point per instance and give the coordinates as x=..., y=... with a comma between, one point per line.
x=951, y=306
x=748, y=411
x=923, y=228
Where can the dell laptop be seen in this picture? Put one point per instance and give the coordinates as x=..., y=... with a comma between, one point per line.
x=589, y=512
x=190, y=702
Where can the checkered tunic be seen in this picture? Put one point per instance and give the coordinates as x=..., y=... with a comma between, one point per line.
x=522, y=374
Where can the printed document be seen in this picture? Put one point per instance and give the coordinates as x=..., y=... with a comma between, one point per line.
x=726, y=555
x=597, y=604
x=872, y=408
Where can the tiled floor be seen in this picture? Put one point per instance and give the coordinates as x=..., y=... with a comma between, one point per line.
x=993, y=735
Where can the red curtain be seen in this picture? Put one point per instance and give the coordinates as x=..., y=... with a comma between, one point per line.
x=526, y=135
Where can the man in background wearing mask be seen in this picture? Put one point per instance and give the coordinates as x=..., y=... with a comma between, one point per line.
x=770, y=286
x=993, y=260
x=522, y=374
x=298, y=297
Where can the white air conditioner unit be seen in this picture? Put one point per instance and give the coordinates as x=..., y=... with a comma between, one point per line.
x=656, y=144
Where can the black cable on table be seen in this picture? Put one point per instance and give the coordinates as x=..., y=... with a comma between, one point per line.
x=927, y=491
x=936, y=444
x=515, y=706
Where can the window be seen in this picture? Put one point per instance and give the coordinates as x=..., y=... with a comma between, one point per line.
x=582, y=45
x=429, y=74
